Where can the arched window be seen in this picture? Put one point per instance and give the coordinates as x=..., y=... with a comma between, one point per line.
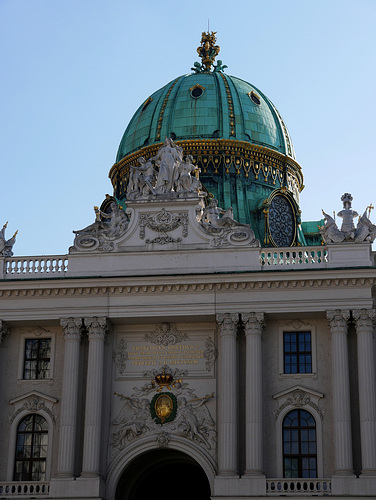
x=299, y=445
x=31, y=449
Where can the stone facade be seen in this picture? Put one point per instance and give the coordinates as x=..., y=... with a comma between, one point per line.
x=217, y=338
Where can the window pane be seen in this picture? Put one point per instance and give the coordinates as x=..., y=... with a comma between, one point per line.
x=37, y=359
x=31, y=449
x=299, y=445
x=297, y=352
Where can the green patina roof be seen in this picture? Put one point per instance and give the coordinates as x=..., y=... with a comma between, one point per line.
x=225, y=110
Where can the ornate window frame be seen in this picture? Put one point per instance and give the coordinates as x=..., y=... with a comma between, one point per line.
x=297, y=326
x=31, y=403
x=35, y=333
x=299, y=397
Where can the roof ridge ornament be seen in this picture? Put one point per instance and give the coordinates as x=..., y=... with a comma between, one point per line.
x=208, y=51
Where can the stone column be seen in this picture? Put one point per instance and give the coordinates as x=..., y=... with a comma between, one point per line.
x=227, y=395
x=253, y=325
x=69, y=399
x=364, y=320
x=97, y=329
x=343, y=462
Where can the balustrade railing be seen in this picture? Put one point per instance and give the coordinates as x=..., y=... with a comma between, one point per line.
x=301, y=257
x=23, y=489
x=269, y=258
x=22, y=267
x=301, y=487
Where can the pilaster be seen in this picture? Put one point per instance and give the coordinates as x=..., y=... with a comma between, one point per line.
x=364, y=321
x=4, y=330
x=69, y=400
x=97, y=329
x=227, y=395
x=253, y=325
x=343, y=462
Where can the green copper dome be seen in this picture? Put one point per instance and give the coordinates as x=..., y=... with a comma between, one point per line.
x=207, y=105
x=235, y=137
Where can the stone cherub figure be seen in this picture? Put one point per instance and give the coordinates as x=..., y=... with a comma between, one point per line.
x=6, y=245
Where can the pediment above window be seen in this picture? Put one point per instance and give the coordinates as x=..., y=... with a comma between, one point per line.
x=299, y=397
x=32, y=402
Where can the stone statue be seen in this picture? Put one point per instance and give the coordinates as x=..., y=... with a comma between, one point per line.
x=141, y=179
x=225, y=228
x=185, y=183
x=167, y=159
x=106, y=228
x=132, y=421
x=364, y=231
x=6, y=245
x=195, y=421
x=111, y=224
x=347, y=215
x=330, y=232
x=211, y=215
x=164, y=175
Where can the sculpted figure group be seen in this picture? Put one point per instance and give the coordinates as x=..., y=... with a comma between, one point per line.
x=364, y=230
x=6, y=245
x=192, y=421
x=166, y=174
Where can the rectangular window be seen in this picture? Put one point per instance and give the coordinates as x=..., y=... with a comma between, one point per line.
x=297, y=352
x=37, y=359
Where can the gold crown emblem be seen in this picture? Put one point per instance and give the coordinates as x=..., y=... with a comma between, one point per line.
x=164, y=379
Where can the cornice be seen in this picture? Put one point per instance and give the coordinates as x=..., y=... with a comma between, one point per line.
x=196, y=285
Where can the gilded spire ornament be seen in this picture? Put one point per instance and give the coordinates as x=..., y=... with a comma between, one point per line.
x=208, y=51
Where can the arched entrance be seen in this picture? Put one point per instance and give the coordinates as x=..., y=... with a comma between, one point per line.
x=160, y=474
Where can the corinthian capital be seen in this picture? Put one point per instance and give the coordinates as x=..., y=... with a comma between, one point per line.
x=337, y=320
x=72, y=328
x=253, y=323
x=97, y=328
x=4, y=330
x=227, y=324
x=364, y=319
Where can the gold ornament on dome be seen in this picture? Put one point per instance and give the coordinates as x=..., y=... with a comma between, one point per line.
x=208, y=51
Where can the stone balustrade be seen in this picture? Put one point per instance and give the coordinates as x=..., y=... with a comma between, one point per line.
x=38, y=267
x=302, y=257
x=298, y=487
x=25, y=489
x=129, y=264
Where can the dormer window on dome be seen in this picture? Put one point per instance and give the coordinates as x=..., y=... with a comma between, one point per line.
x=254, y=98
x=196, y=91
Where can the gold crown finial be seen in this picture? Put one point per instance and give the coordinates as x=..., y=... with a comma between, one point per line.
x=208, y=51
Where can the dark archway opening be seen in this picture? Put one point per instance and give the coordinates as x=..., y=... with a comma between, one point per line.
x=161, y=474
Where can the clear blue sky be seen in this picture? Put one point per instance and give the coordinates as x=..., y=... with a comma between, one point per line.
x=75, y=71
